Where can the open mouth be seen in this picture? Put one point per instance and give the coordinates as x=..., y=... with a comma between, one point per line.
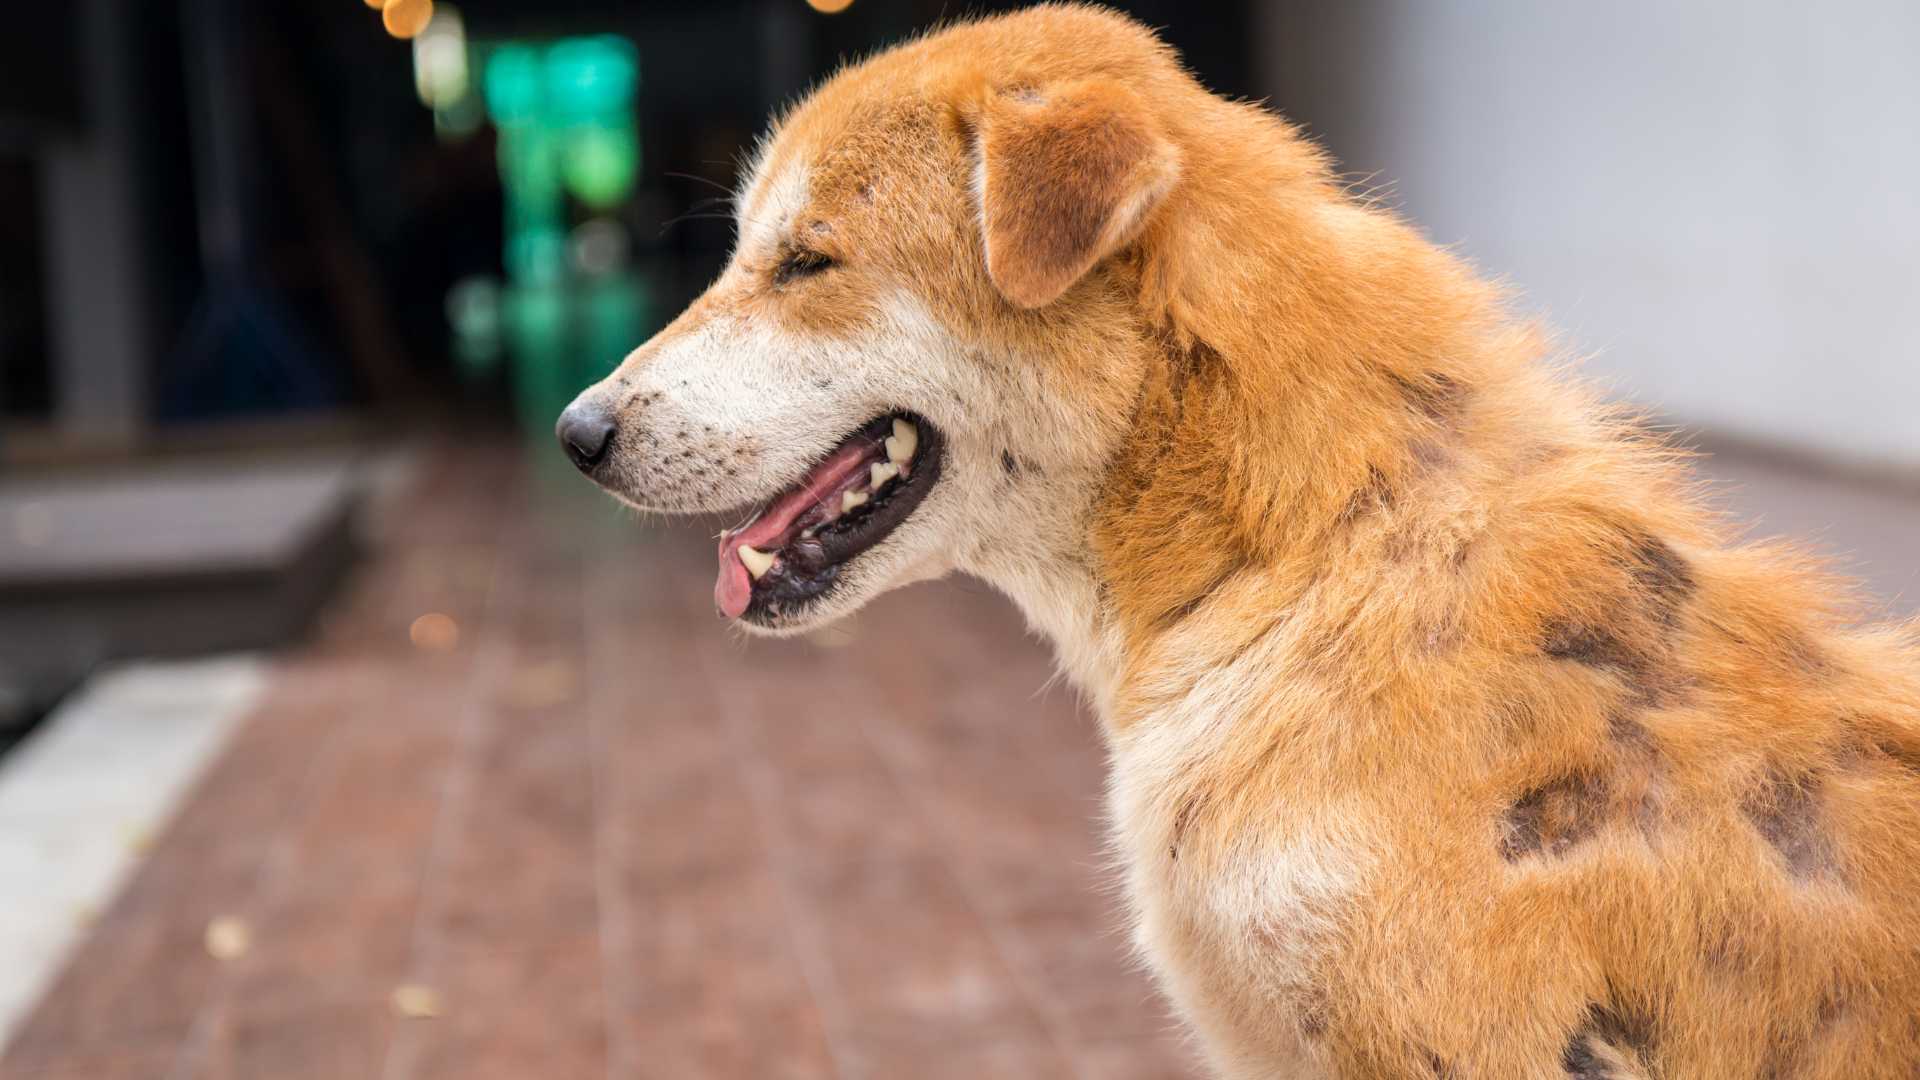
x=792, y=551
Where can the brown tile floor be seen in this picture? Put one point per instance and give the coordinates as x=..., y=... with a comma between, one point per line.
x=616, y=841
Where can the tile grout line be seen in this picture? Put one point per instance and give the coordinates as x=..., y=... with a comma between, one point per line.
x=1059, y=1031
x=269, y=886
x=610, y=838
x=816, y=965
x=450, y=820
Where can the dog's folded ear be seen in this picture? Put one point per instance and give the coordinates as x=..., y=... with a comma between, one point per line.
x=1067, y=175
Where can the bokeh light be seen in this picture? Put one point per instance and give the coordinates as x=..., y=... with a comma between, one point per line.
x=406, y=18
x=434, y=632
x=440, y=60
x=830, y=7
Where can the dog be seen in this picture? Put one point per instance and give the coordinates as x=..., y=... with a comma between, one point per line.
x=1450, y=736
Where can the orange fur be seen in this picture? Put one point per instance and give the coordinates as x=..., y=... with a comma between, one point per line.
x=1451, y=737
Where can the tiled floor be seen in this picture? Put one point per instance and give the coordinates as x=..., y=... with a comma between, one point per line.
x=605, y=837
x=596, y=835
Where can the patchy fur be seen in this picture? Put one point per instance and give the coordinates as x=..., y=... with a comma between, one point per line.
x=1450, y=736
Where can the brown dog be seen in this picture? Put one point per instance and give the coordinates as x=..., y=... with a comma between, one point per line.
x=1450, y=736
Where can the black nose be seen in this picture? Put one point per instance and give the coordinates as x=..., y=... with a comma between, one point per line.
x=586, y=431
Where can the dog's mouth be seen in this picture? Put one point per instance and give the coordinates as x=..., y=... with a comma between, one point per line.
x=791, y=552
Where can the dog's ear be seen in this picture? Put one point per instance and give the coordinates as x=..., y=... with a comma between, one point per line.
x=1067, y=175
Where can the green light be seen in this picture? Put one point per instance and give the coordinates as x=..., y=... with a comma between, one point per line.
x=513, y=84
x=536, y=254
x=591, y=77
x=600, y=163
x=565, y=116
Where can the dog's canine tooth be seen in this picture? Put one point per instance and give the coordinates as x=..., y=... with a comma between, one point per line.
x=880, y=473
x=902, y=443
x=851, y=499
x=756, y=561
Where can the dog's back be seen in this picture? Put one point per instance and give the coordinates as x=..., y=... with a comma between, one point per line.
x=1527, y=771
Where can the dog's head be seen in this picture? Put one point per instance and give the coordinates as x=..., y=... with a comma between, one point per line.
x=922, y=353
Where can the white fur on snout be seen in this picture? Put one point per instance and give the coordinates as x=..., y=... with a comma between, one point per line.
x=736, y=409
x=727, y=414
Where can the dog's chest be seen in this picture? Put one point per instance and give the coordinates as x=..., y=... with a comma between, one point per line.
x=1238, y=885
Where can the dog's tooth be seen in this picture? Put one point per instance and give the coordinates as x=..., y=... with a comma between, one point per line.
x=902, y=443
x=880, y=473
x=849, y=500
x=756, y=561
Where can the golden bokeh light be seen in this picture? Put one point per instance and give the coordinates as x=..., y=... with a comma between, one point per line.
x=434, y=632
x=377, y=4
x=415, y=1002
x=406, y=18
x=228, y=938
x=830, y=7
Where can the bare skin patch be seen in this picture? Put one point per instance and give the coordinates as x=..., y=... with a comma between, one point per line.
x=1611, y=1044
x=1662, y=576
x=1635, y=640
x=1785, y=810
x=1549, y=820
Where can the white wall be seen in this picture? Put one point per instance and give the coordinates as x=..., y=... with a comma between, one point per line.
x=1720, y=201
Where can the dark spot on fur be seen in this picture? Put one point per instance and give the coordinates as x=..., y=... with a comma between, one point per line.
x=1648, y=681
x=1902, y=756
x=1247, y=645
x=1785, y=811
x=1434, y=394
x=1376, y=496
x=1727, y=945
x=1593, y=646
x=1611, y=1043
x=1430, y=455
x=1552, y=818
x=1579, y=1061
x=1182, y=819
x=1184, y=608
x=1634, y=641
x=1639, y=774
x=1314, y=1012
x=1792, y=1043
x=1010, y=463
x=1662, y=575
x=823, y=382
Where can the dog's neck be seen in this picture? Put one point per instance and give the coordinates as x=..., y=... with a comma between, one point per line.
x=1262, y=435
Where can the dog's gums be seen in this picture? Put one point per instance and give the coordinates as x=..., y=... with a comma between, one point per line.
x=791, y=552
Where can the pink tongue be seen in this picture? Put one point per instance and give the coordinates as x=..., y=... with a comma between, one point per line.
x=774, y=528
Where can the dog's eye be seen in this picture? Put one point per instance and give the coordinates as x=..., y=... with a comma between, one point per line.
x=799, y=264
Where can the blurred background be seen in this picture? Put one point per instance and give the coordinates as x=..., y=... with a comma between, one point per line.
x=346, y=732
